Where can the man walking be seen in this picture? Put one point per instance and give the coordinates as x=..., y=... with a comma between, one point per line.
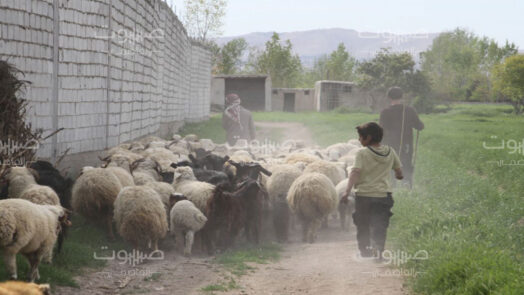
x=398, y=121
x=237, y=121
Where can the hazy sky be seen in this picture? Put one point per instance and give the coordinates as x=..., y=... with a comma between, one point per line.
x=501, y=20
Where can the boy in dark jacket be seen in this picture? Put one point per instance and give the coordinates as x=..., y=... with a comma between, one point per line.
x=371, y=178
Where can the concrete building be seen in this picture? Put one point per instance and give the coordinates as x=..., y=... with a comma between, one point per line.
x=293, y=99
x=254, y=90
x=330, y=95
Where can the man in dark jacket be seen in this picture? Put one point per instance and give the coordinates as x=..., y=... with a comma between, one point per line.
x=237, y=121
x=398, y=121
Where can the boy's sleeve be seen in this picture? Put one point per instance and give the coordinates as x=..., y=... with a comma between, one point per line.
x=358, y=160
x=396, y=161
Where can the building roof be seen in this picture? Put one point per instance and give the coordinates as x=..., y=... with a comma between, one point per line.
x=241, y=76
x=336, y=82
x=293, y=89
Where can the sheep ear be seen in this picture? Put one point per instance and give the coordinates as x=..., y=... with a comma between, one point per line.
x=34, y=172
x=104, y=159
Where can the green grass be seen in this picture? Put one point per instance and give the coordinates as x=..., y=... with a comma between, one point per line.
x=236, y=260
x=211, y=129
x=466, y=212
x=82, y=242
x=227, y=285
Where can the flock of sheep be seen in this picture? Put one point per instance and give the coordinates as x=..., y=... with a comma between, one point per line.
x=184, y=186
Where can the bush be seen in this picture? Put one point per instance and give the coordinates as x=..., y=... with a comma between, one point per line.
x=424, y=104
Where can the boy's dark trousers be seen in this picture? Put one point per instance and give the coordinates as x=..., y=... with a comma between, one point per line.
x=371, y=217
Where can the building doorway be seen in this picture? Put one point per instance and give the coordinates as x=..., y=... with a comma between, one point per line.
x=289, y=102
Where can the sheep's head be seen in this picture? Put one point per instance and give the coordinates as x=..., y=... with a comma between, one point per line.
x=85, y=169
x=251, y=170
x=183, y=173
x=249, y=188
x=65, y=219
x=214, y=162
x=13, y=172
x=174, y=198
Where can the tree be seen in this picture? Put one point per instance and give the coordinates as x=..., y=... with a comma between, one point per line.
x=509, y=81
x=229, y=57
x=340, y=65
x=388, y=69
x=317, y=73
x=278, y=61
x=204, y=18
x=459, y=64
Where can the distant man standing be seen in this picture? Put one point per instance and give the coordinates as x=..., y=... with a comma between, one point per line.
x=237, y=121
x=398, y=121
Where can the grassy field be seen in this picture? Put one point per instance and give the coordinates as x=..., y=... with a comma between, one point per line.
x=465, y=211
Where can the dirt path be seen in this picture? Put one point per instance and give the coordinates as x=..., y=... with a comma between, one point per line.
x=330, y=266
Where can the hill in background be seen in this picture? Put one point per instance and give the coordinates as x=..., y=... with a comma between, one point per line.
x=312, y=44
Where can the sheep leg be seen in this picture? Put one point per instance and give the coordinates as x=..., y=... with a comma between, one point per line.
x=155, y=245
x=10, y=264
x=305, y=229
x=313, y=228
x=34, y=261
x=325, y=222
x=109, y=224
x=188, y=243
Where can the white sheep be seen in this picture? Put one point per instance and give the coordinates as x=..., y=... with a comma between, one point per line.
x=122, y=159
x=207, y=144
x=301, y=157
x=333, y=171
x=140, y=217
x=93, y=195
x=145, y=170
x=337, y=150
x=312, y=197
x=22, y=185
x=191, y=137
x=278, y=186
x=29, y=229
x=198, y=192
x=164, y=191
x=185, y=220
x=344, y=208
x=125, y=178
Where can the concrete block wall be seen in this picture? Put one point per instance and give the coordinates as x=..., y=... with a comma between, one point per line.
x=200, y=102
x=123, y=69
